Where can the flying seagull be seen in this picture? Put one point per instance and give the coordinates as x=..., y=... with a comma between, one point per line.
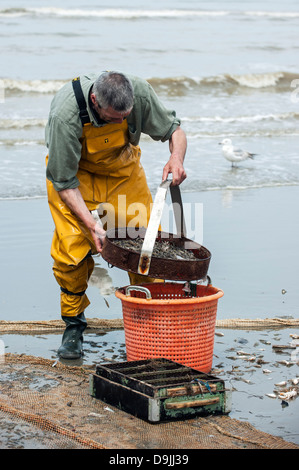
x=233, y=154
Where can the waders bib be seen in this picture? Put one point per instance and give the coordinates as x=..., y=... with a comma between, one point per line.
x=111, y=179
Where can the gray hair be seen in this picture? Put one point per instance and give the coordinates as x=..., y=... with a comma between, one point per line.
x=114, y=89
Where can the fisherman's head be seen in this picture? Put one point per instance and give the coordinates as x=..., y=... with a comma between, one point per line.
x=112, y=96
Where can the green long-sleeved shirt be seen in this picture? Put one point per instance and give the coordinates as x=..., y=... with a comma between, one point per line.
x=64, y=128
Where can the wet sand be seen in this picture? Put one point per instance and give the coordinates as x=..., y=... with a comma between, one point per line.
x=253, y=237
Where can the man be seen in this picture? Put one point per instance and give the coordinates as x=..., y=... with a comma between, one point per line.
x=92, y=135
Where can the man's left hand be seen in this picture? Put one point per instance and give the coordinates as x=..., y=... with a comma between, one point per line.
x=177, y=147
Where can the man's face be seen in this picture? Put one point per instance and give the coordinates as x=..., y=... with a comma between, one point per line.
x=108, y=114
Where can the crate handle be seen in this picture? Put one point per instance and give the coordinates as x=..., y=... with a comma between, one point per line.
x=177, y=405
x=140, y=289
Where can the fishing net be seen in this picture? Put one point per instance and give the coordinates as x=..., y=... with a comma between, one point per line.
x=48, y=326
x=46, y=404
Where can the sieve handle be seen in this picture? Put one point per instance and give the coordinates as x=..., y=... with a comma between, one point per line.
x=177, y=203
x=152, y=229
x=140, y=289
x=154, y=222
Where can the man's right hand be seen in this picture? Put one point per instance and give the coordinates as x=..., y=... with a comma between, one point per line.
x=98, y=235
x=74, y=200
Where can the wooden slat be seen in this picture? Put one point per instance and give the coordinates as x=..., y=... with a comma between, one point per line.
x=191, y=403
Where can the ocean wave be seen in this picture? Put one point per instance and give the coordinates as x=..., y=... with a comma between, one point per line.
x=177, y=86
x=22, y=123
x=123, y=13
x=20, y=198
x=273, y=14
x=230, y=82
x=247, y=119
x=198, y=185
x=18, y=142
x=31, y=86
x=241, y=134
x=114, y=13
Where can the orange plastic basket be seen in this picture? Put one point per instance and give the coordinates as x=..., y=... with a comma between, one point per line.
x=170, y=323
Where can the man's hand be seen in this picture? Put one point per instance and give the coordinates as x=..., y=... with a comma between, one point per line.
x=98, y=234
x=74, y=200
x=174, y=166
x=177, y=147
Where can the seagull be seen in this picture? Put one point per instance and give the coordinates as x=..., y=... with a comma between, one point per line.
x=233, y=154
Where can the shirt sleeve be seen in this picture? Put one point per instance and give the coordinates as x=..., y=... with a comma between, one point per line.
x=64, y=154
x=149, y=116
x=157, y=121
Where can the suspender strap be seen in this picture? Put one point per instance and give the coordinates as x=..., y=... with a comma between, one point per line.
x=81, y=101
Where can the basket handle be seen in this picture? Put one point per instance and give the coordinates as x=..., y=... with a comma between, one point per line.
x=140, y=289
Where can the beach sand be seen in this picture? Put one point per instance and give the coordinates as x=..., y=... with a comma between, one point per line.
x=253, y=237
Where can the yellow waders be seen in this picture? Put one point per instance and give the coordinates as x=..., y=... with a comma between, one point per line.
x=111, y=178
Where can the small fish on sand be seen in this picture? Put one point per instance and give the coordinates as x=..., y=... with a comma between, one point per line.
x=294, y=336
x=288, y=395
x=281, y=384
x=284, y=362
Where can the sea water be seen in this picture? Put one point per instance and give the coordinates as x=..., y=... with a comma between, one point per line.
x=229, y=69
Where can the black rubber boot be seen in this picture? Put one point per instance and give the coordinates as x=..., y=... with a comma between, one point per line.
x=72, y=339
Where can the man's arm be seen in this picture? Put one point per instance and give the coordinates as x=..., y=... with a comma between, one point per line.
x=177, y=147
x=74, y=200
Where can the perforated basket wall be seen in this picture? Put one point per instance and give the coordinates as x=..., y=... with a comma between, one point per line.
x=171, y=325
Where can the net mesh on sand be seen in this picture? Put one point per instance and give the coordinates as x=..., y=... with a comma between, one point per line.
x=45, y=404
x=98, y=323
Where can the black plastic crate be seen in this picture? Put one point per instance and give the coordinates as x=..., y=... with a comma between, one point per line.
x=159, y=389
